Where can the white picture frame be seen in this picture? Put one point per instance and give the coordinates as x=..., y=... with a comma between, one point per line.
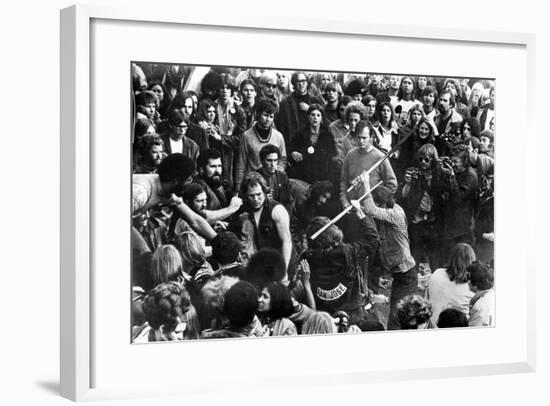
x=77, y=188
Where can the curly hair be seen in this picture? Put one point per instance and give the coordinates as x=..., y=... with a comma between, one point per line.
x=413, y=310
x=355, y=107
x=480, y=275
x=164, y=306
x=213, y=291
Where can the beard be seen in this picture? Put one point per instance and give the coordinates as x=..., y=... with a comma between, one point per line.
x=215, y=181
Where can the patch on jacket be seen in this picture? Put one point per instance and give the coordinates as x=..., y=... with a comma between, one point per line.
x=332, y=294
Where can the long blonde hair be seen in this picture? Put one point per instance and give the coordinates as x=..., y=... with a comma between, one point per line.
x=191, y=249
x=319, y=323
x=166, y=265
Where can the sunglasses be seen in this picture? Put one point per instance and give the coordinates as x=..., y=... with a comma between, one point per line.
x=425, y=159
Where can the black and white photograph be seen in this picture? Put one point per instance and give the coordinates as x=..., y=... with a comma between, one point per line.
x=270, y=201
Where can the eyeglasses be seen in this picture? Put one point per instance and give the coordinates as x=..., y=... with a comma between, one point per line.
x=271, y=86
x=301, y=81
x=425, y=159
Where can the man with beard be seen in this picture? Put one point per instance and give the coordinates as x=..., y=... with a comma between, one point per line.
x=259, y=135
x=151, y=154
x=429, y=103
x=209, y=166
x=269, y=220
x=196, y=198
x=447, y=115
x=293, y=109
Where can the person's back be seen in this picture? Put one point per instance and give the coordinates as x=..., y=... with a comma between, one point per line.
x=338, y=269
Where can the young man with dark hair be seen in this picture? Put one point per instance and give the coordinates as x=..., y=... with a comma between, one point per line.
x=239, y=307
x=259, y=135
x=175, y=140
x=226, y=248
x=482, y=305
x=277, y=180
x=293, y=109
x=451, y=317
x=447, y=115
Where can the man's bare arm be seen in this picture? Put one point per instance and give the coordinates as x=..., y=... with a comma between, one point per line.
x=282, y=222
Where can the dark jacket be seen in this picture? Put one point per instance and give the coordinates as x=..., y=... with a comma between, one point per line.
x=338, y=275
x=317, y=159
x=437, y=189
x=290, y=117
x=458, y=213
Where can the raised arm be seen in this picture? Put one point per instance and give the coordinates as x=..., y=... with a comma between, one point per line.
x=197, y=223
x=216, y=215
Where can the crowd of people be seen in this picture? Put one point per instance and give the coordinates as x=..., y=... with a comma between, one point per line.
x=273, y=202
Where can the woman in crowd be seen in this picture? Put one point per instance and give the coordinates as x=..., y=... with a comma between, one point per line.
x=421, y=83
x=163, y=96
x=165, y=308
x=268, y=87
x=319, y=323
x=370, y=103
x=387, y=129
x=476, y=99
x=274, y=308
x=312, y=149
x=423, y=133
x=448, y=286
x=405, y=100
x=354, y=113
x=193, y=257
x=284, y=87
x=210, y=306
